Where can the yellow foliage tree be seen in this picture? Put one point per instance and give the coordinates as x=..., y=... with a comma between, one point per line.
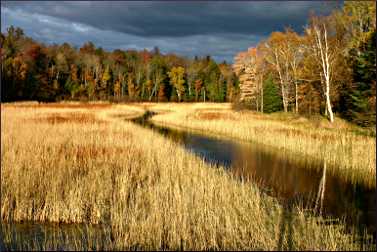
x=176, y=76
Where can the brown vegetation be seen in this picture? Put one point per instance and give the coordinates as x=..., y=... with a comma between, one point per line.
x=348, y=149
x=213, y=116
x=64, y=105
x=147, y=190
x=56, y=118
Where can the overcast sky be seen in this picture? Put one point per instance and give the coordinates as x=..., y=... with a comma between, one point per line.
x=219, y=29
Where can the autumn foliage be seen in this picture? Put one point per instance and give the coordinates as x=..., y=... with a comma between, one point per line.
x=329, y=69
x=34, y=71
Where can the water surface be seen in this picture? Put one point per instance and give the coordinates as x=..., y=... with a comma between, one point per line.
x=287, y=176
x=290, y=178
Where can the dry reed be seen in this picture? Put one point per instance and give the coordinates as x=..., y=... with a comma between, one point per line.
x=347, y=153
x=149, y=191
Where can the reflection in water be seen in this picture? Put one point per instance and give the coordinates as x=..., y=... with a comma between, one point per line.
x=286, y=176
x=321, y=190
x=29, y=236
x=291, y=178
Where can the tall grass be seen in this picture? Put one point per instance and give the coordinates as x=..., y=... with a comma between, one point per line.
x=148, y=191
x=348, y=153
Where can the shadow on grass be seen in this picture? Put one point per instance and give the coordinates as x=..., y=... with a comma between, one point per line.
x=286, y=227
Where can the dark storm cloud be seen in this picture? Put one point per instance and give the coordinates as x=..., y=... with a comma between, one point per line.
x=190, y=28
x=173, y=19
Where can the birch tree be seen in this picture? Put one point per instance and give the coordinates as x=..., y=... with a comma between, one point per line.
x=261, y=72
x=158, y=75
x=176, y=76
x=294, y=57
x=277, y=57
x=324, y=55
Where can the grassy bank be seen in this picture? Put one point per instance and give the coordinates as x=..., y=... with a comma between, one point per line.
x=349, y=150
x=85, y=164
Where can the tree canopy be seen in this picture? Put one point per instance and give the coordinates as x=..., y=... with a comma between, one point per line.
x=330, y=69
x=34, y=71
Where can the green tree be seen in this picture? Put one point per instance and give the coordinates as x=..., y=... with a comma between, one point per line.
x=272, y=101
x=32, y=70
x=359, y=99
x=72, y=87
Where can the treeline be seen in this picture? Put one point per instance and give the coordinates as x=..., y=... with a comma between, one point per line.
x=34, y=71
x=329, y=69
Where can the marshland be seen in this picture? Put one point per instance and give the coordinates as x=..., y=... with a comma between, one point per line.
x=229, y=137
x=131, y=187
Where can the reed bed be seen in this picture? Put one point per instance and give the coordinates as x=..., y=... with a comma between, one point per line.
x=349, y=151
x=147, y=191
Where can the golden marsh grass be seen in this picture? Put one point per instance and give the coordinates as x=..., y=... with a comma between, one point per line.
x=149, y=191
x=349, y=154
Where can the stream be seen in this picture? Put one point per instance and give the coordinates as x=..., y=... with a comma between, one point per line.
x=288, y=177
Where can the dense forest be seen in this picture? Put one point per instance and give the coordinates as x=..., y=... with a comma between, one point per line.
x=34, y=71
x=330, y=68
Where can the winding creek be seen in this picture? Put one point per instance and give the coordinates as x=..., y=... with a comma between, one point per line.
x=290, y=178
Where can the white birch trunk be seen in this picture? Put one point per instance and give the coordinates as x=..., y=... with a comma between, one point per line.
x=321, y=190
x=261, y=104
x=324, y=53
x=283, y=92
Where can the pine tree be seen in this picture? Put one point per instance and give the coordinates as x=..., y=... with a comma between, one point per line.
x=272, y=101
x=361, y=107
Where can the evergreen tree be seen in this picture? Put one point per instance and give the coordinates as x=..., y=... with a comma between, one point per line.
x=358, y=100
x=272, y=101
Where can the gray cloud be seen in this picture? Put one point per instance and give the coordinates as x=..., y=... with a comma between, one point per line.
x=190, y=28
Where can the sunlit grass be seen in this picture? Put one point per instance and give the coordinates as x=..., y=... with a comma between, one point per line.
x=148, y=191
x=349, y=150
